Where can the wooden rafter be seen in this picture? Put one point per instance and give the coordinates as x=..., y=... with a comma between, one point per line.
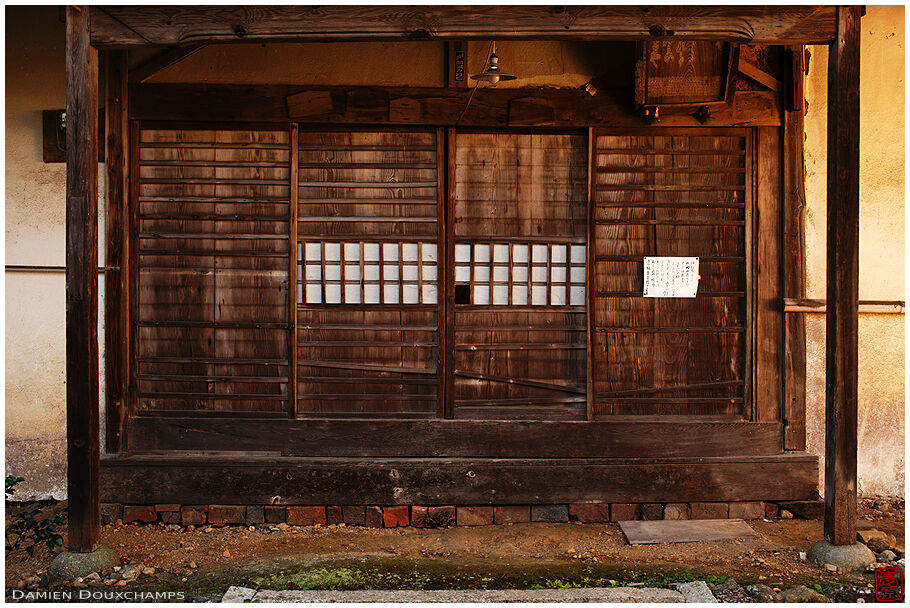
x=158, y=62
x=182, y=25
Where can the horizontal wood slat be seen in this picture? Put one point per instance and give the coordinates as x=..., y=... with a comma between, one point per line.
x=456, y=438
x=255, y=479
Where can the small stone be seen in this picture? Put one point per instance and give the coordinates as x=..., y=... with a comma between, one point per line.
x=886, y=557
x=877, y=544
x=91, y=578
x=283, y=526
x=226, y=554
x=730, y=591
x=763, y=593
x=148, y=571
x=785, y=514
x=830, y=567
x=121, y=583
x=117, y=568
x=802, y=555
x=132, y=571
x=193, y=565
x=801, y=593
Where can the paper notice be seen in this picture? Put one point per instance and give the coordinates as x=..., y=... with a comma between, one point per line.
x=671, y=277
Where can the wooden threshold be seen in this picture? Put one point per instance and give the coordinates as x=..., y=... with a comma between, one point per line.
x=360, y=437
x=257, y=479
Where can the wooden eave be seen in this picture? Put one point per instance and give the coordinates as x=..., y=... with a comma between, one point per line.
x=133, y=26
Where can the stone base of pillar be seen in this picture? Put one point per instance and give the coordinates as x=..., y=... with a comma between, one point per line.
x=848, y=558
x=70, y=565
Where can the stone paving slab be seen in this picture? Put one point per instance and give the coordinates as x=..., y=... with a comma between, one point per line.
x=593, y=594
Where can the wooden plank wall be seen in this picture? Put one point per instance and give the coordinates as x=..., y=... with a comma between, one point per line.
x=665, y=192
x=520, y=212
x=213, y=270
x=369, y=242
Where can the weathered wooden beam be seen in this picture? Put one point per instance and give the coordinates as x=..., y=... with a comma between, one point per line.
x=156, y=63
x=458, y=438
x=843, y=279
x=882, y=307
x=116, y=286
x=758, y=75
x=490, y=107
x=82, y=424
x=181, y=25
x=253, y=479
x=794, y=252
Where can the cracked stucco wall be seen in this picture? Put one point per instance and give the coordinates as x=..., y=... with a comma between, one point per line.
x=881, y=248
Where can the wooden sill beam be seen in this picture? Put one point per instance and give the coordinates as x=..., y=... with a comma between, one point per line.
x=880, y=307
x=134, y=25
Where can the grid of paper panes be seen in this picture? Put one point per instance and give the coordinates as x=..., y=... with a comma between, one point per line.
x=522, y=274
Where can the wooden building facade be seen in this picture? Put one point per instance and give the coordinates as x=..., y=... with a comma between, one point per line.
x=369, y=295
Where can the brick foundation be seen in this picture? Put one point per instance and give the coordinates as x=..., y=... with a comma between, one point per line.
x=432, y=516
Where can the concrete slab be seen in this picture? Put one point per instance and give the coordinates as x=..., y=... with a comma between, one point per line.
x=697, y=592
x=598, y=594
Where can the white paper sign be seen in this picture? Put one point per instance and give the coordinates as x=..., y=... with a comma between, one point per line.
x=671, y=277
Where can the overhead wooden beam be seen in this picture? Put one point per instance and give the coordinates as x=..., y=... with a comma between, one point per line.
x=82, y=425
x=136, y=25
x=156, y=63
x=116, y=220
x=843, y=279
x=491, y=107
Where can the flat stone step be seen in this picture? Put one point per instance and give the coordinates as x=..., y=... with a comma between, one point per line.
x=590, y=594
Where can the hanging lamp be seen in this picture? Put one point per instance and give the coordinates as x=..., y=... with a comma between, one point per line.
x=493, y=74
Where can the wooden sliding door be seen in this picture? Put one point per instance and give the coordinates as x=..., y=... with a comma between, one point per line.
x=211, y=227
x=520, y=232
x=664, y=192
x=369, y=253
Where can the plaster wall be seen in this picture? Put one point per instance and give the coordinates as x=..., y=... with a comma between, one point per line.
x=882, y=253
x=35, y=211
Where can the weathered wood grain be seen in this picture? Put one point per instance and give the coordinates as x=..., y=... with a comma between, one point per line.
x=438, y=106
x=116, y=274
x=136, y=25
x=83, y=447
x=841, y=349
x=249, y=479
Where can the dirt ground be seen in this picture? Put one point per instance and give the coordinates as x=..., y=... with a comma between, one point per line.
x=209, y=559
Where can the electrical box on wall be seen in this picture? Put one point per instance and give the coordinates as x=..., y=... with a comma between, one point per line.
x=54, y=136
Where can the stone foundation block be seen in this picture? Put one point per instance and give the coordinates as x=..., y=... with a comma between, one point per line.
x=474, y=516
x=306, y=516
x=652, y=511
x=550, y=513
x=192, y=515
x=136, y=513
x=512, y=514
x=710, y=510
x=220, y=515
x=590, y=513
x=275, y=515
x=373, y=517
x=677, y=510
x=255, y=514
x=111, y=512
x=396, y=517
x=441, y=517
x=353, y=515
x=333, y=515
x=170, y=517
x=746, y=510
x=420, y=517
x=625, y=511
x=772, y=511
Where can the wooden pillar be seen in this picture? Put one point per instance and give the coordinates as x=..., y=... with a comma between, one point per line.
x=82, y=433
x=794, y=264
x=843, y=279
x=116, y=215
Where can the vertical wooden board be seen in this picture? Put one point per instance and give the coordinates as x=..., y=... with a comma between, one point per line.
x=794, y=262
x=768, y=319
x=116, y=276
x=292, y=270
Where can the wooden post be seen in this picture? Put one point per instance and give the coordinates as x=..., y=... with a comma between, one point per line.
x=116, y=221
x=843, y=279
x=82, y=432
x=794, y=263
